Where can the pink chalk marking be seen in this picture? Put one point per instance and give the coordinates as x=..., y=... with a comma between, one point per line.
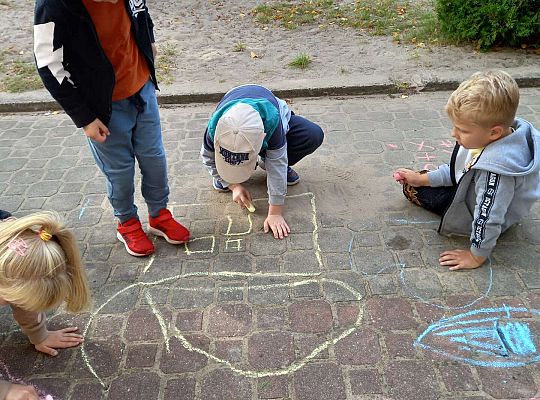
x=422, y=146
x=392, y=146
x=446, y=143
x=12, y=379
x=430, y=167
x=427, y=157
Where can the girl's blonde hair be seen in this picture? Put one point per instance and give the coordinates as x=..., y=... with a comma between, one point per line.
x=40, y=264
x=487, y=98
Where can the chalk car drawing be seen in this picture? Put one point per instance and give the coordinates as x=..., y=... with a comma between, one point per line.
x=489, y=337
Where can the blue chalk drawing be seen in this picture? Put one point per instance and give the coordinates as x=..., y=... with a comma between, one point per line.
x=401, y=268
x=486, y=293
x=487, y=337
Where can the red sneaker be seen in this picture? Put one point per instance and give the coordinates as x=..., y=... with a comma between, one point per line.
x=132, y=235
x=164, y=225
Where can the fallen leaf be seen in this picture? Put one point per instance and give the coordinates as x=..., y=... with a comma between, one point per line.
x=253, y=54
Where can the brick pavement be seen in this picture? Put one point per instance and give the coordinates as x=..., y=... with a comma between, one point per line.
x=332, y=312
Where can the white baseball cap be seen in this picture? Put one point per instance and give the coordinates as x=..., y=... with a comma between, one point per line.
x=238, y=139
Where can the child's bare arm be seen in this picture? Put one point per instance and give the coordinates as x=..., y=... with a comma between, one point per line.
x=404, y=175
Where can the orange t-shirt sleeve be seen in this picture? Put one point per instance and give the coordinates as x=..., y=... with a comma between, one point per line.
x=116, y=37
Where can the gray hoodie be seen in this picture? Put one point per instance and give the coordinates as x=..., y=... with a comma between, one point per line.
x=497, y=191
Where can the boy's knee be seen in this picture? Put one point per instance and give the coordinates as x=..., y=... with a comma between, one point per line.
x=316, y=136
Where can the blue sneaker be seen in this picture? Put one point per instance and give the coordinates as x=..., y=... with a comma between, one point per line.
x=292, y=177
x=218, y=186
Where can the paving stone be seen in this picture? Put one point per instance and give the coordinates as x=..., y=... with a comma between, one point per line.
x=360, y=347
x=108, y=326
x=180, y=389
x=267, y=264
x=142, y=355
x=196, y=293
x=338, y=261
x=309, y=290
x=373, y=261
x=382, y=285
x=411, y=380
x=55, y=387
x=310, y=316
x=319, y=381
x=229, y=320
x=423, y=284
x=233, y=291
x=103, y=355
x=222, y=384
x=139, y=385
x=270, y=318
x=273, y=387
x=365, y=381
x=259, y=293
x=189, y=320
x=260, y=245
x=229, y=350
x=457, y=377
x=88, y=391
x=306, y=343
x=336, y=292
x=233, y=263
x=180, y=360
x=270, y=350
x=399, y=345
x=389, y=313
x=300, y=262
x=512, y=383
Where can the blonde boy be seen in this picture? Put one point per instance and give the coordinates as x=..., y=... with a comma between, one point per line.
x=492, y=180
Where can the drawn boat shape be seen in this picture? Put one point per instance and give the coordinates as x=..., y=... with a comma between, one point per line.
x=489, y=337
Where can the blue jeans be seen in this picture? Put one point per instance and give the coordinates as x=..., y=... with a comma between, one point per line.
x=135, y=132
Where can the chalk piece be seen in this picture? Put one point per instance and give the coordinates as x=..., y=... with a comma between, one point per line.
x=398, y=177
x=250, y=207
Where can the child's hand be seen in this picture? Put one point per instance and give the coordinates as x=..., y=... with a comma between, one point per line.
x=460, y=259
x=240, y=195
x=21, y=392
x=61, y=339
x=278, y=225
x=404, y=175
x=96, y=130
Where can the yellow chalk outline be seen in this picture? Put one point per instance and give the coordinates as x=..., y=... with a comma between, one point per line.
x=313, y=278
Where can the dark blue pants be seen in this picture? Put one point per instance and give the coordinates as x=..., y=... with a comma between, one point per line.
x=303, y=138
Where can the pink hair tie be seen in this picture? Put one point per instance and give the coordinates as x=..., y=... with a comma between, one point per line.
x=18, y=246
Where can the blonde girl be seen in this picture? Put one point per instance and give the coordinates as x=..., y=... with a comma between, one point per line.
x=40, y=268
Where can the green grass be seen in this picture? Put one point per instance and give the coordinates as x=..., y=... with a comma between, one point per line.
x=301, y=61
x=408, y=21
x=19, y=76
x=239, y=47
x=166, y=62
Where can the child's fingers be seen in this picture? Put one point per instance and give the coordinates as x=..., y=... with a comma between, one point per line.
x=47, y=350
x=69, y=329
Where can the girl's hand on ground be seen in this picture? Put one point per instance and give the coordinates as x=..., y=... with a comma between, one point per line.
x=21, y=392
x=460, y=259
x=412, y=178
x=61, y=339
x=278, y=225
x=97, y=131
x=240, y=195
